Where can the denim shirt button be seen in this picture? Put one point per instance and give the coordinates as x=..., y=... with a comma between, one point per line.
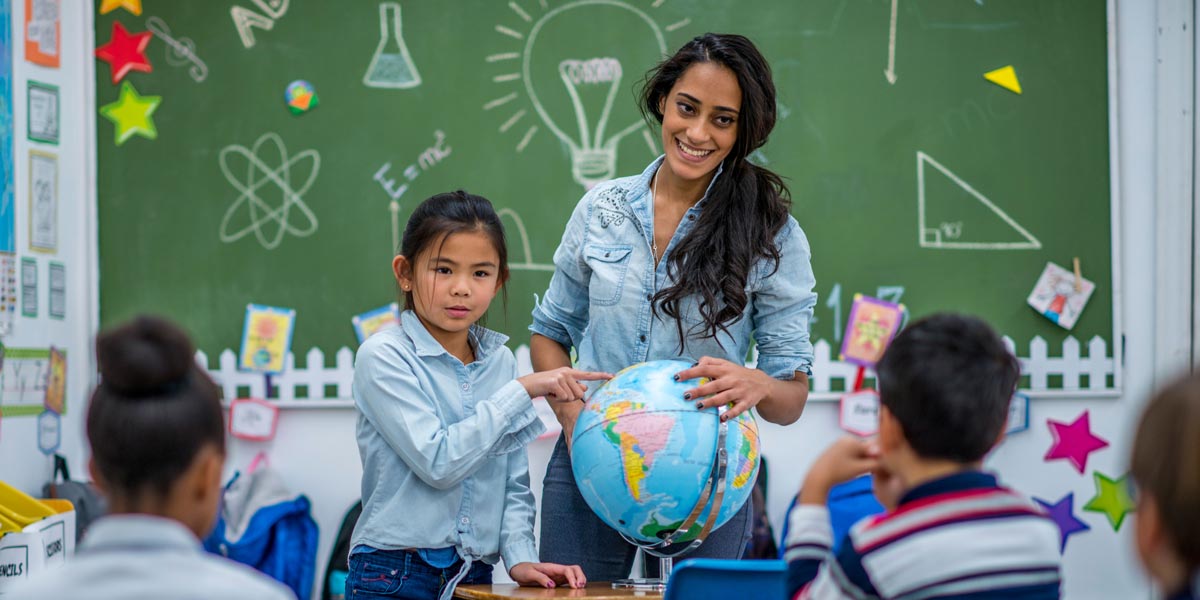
x=642, y=337
x=650, y=296
x=466, y=387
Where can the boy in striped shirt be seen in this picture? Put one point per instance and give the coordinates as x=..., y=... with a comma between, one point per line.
x=950, y=530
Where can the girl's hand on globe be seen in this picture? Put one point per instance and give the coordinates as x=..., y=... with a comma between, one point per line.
x=547, y=575
x=561, y=384
x=731, y=384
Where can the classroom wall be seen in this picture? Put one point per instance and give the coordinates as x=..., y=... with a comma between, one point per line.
x=316, y=452
x=315, y=449
x=21, y=463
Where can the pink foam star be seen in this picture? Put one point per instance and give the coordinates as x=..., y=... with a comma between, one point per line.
x=1073, y=441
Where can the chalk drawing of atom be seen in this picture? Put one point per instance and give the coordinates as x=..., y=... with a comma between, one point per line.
x=267, y=204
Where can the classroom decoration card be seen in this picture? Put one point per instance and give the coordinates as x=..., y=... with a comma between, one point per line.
x=1018, y=414
x=253, y=419
x=23, y=380
x=42, y=30
x=43, y=201
x=266, y=338
x=56, y=381
x=29, y=295
x=1057, y=297
x=860, y=413
x=49, y=432
x=57, y=308
x=375, y=320
x=869, y=329
x=41, y=101
x=8, y=292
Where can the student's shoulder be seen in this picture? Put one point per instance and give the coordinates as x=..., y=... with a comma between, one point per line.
x=387, y=344
x=241, y=581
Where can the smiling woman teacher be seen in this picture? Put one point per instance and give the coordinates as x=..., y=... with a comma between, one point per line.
x=694, y=258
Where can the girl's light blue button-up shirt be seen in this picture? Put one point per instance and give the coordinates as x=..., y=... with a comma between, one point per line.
x=443, y=446
x=599, y=299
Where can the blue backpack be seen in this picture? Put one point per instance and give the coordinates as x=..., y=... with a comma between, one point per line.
x=267, y=528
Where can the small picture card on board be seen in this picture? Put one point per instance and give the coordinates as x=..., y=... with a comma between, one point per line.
x=43, y=201
x=56, y=381
x=375, y=320
x=42, y=25
x=860, y=413
x=1057, y=297
x=253, y=419
x=29, y=286
x=869, y=329
x=266, y=338
x=8, y=292
x=41, y=112
x=49, y=426
x=1018, y=414
x=57, y=308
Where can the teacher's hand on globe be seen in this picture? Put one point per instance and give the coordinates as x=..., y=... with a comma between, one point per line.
x=547, y=575
x=560, y=385
x=731, y=384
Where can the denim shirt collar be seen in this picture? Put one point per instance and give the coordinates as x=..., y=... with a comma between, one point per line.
x=639, y=189
x=484, y=340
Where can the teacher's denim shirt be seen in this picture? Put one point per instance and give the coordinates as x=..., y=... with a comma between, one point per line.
x=599, y=296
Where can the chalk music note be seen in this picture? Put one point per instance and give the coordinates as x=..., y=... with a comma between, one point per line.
x=180, y=51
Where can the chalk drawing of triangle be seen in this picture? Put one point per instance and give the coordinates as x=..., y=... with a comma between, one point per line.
x=1002, y=231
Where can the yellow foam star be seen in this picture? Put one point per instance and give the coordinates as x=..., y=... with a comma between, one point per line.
x=1005, y=77
x=131, y=114
x=1112, y=498
x=133, y=6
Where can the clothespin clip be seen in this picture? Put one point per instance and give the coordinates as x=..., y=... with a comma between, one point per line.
x=1078, y=278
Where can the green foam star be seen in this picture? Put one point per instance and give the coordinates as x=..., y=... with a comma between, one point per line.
x=1112, y=498
x=131, y=114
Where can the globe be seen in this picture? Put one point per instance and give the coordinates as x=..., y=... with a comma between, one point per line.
x=641, y=454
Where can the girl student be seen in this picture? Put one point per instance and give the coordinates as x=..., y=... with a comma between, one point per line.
x=1166, y=470
x=694, y=257
x=444, y=421
x=157, y=435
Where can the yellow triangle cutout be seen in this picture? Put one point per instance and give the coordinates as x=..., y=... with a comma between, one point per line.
x=1005, y=77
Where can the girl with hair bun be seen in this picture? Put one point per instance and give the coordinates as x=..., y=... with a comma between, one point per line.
x=157, y=435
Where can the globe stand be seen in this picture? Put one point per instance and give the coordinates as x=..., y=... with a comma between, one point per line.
x=714, y=487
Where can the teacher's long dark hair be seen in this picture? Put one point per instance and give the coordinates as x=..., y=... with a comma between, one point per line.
x=747, y=205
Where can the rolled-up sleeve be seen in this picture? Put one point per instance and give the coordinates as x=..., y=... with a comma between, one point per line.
x=783, y=307
x=390, y=397
x=562, y=314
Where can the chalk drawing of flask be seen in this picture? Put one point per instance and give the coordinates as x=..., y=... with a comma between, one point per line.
x=391, y=66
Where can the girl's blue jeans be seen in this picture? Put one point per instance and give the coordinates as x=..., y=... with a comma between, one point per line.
x=402, y=574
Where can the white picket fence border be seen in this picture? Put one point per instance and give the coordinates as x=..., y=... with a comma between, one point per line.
x=828, y=373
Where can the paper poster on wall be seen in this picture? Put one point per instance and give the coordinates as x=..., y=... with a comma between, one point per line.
x=42, y=112
x=869, y=329
x=43, y=201
x=56, y=381
x=24, y=377
x=8, y=291
x=42, y=29
x=29, y=287
x=1057, y=297
x=375, y=320
x=49, y=432
x=253, y=419
x=266, y=338
x=57, y=308
x=859, y=413
x=7, y=166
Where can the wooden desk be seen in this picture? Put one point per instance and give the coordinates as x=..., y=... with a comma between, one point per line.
x=509, y=591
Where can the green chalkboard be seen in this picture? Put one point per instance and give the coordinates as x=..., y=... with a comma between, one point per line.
x=913, y=176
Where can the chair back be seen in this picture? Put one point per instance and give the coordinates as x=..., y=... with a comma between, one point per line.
x=723, y=579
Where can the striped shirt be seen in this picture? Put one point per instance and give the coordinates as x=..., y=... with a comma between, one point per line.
x=960, y=536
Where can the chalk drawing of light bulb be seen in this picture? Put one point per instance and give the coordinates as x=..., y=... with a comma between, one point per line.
x=575, y=73
x=391, y=66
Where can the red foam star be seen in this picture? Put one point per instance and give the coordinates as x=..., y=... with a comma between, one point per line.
x=1074, y=441
x=125, y=52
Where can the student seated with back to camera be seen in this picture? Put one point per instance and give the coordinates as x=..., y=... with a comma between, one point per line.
x=950, y=529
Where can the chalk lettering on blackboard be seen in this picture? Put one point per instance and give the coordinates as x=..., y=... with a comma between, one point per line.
x=245, y=19
x=180, y=51
x=934, y=237
x=268, y=223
